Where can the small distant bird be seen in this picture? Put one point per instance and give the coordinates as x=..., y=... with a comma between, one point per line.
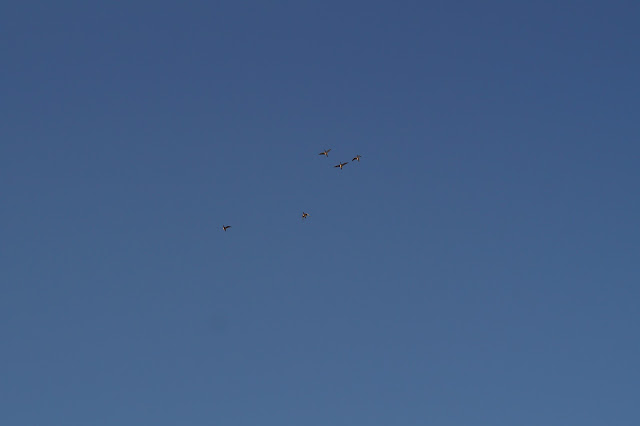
x=341, y=165
x=305, y=215
x=357, y=157
x=225, y=227
x=325, y=152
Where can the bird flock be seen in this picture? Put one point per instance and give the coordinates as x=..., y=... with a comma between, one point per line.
x=340, y=165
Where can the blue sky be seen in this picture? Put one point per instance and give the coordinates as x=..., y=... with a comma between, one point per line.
x=478, y=266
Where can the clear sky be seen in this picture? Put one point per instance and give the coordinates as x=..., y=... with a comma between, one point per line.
x=479, y=266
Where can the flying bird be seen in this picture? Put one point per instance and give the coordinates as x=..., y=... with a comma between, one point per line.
x=305, y=215
x=341, y=165
x=225, y=227
x=325, y=152
x=357, y=157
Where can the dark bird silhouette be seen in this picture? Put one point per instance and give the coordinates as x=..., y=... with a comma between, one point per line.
x=357, y=157
x=225, y=227
x=325, y=152
x=341, y=165
x=305, y=215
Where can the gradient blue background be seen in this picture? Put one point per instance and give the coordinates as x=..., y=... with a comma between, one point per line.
x=478, y=267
